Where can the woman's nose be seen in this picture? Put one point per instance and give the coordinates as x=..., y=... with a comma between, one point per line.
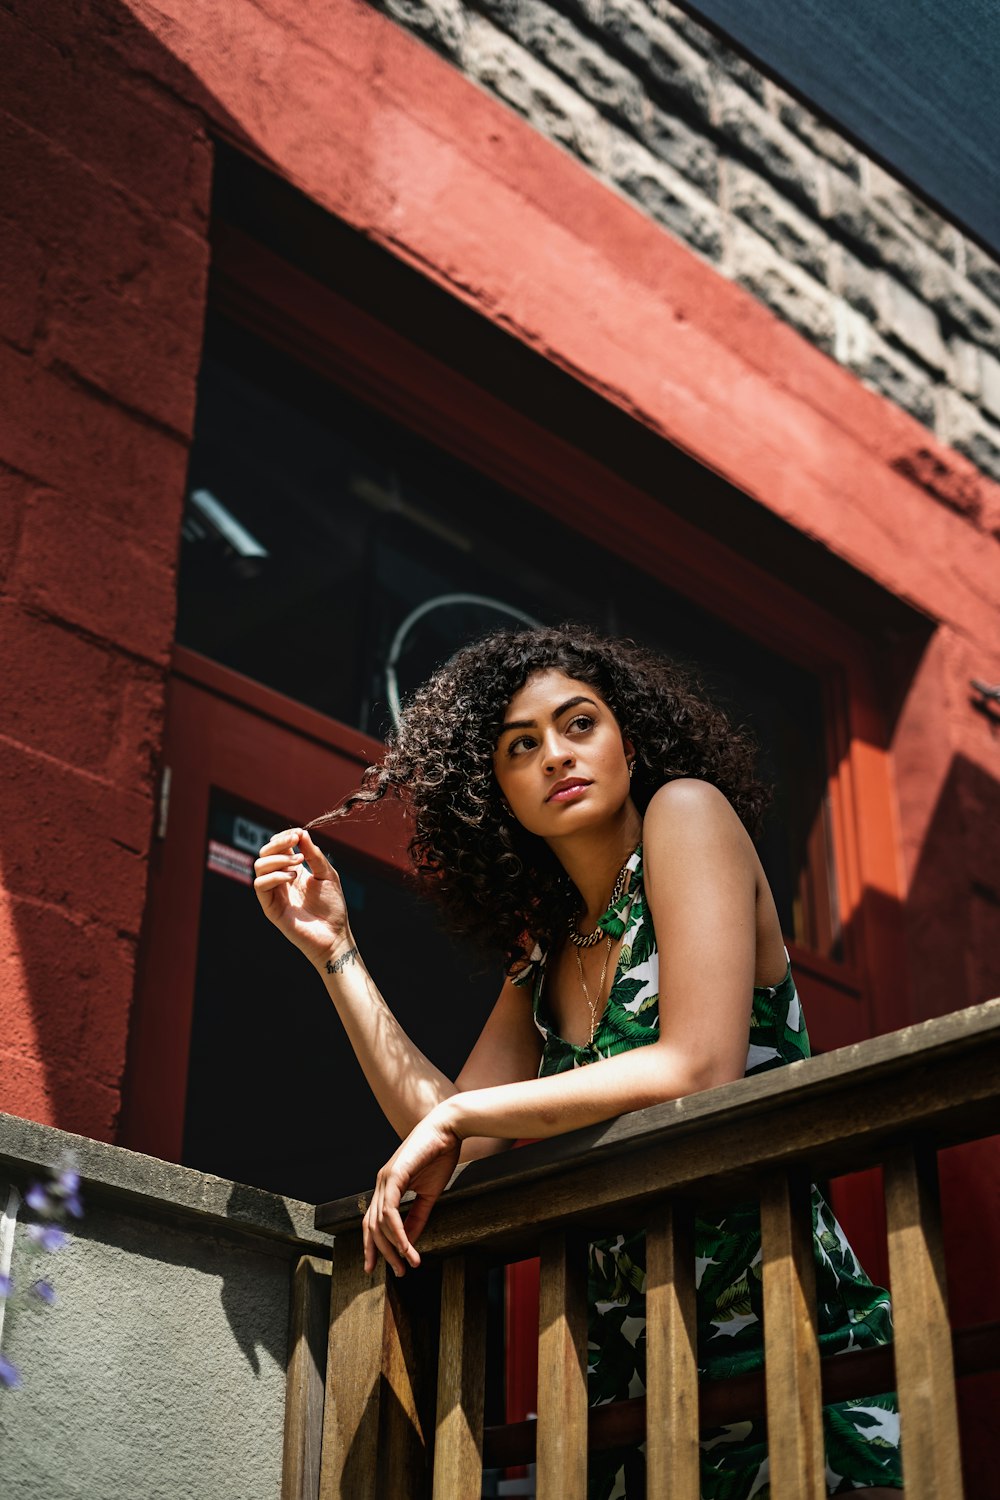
x=557, y=753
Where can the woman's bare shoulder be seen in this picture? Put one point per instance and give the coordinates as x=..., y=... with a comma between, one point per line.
x=689, y=799
x=688, y=819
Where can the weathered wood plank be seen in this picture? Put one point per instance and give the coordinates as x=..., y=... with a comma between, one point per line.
x=925, y=1376
x=380, y=1370
x=353, y=1376
x=561, y=1472
x=791, y=1348
x=672, y=1454
x=409, y=1384
x=458, y=1441
x=305, y=1378
x=939, y=1076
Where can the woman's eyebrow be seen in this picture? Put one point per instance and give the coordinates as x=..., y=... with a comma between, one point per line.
x=556, y=714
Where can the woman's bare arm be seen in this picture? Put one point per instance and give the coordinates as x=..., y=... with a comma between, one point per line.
x=405, y=1082
x=309, y=909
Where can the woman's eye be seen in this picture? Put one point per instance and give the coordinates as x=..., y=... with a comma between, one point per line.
x=522, y=743
x=582, y=721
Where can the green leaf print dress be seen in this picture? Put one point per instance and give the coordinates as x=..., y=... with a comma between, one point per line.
x=862, y=1436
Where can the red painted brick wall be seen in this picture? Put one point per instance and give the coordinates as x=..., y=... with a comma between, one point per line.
x=104, y=180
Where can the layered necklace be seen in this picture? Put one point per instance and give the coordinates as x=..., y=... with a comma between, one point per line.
x=587, y=940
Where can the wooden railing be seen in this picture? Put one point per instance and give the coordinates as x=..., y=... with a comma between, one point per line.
x=402, y=1414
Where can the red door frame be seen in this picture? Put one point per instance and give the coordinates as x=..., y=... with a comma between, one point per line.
x=226, y=731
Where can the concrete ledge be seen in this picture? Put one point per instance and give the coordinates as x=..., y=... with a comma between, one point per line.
x=150, y=1187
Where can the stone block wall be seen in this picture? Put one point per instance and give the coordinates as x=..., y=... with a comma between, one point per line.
x=663, y=112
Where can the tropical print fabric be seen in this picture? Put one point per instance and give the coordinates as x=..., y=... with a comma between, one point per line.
x=862, y=1437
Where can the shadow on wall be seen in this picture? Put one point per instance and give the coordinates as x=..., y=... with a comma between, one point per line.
x=953, y=906
x=245, y=1203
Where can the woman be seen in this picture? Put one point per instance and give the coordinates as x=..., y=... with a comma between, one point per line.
x=577, y=804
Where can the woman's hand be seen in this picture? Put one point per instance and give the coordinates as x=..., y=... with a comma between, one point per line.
x=424, y=1162
x=306, y=905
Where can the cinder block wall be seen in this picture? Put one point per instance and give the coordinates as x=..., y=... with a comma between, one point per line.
x=104, y=182
x=662, y=111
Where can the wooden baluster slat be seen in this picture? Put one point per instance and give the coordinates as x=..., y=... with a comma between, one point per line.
x=305, y=1378
x=925, y=1375
x=458, y=1442
x=378, y=1381
x=561, y=1472
x=791, y=1349
x=353, y=1373
x=672, y=1452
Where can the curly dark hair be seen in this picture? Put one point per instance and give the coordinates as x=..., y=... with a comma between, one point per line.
x=495, y=882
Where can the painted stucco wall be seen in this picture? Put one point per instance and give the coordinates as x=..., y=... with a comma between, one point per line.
x=159, y=1374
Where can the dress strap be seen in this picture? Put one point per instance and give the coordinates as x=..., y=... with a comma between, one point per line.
x=615, y=919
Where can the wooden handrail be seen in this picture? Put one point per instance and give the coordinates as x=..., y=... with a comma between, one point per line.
x=835, y=1113
x=895, y=1100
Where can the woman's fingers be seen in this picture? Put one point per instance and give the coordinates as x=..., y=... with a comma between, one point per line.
x=281, y=849
x=283, y=841
x=388, y=1251
x=376, y=1243
x=416, y=1221
x=271, y=882
x=318, y=862
x=383, y=1232
x=390, y=1226
x=273, y=870
x=266, y=863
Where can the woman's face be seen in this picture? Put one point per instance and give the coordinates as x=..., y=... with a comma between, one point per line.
x=560, y=759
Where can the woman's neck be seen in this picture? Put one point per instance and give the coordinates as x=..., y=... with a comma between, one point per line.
x=593, y=858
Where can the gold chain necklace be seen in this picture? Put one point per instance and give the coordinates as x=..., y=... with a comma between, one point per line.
x=588, y=939
x=593, y=1004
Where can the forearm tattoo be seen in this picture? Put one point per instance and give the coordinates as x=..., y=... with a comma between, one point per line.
x=334, y=966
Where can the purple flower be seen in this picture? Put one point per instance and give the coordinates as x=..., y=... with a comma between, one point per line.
x=10, y=1375
x=6, y=1286
x=47, y=1236
x=69, y=1182
x=44, y=1291
x=74, y=1205
x=37, y=1198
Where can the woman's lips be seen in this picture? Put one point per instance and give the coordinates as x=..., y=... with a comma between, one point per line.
x=569, y=792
